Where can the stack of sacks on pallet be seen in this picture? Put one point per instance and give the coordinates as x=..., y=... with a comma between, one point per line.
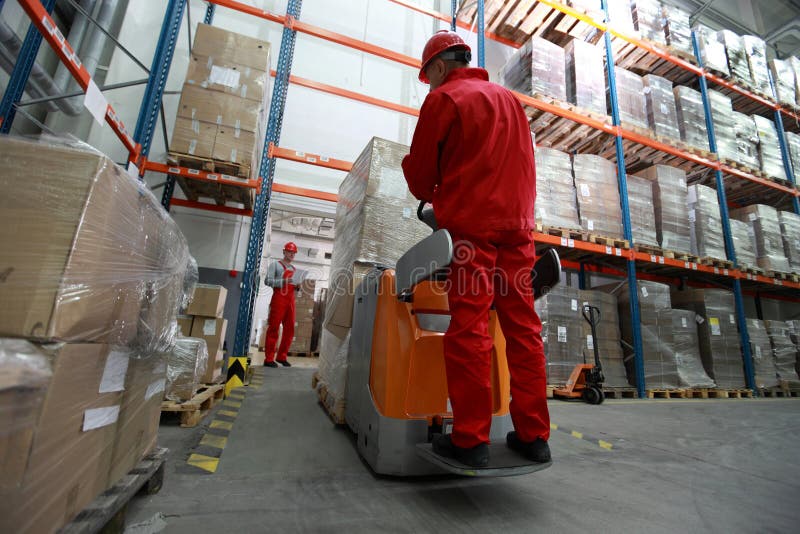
x=677, y=29
x=93, y=277
x=783, y=350
x=555, y=190
x=686, y=345
x=691, y=117
x=631, y=99
x=660, y=366
x=598, y=195
x=648, y=20
x=670, y=195
x=766, y=375
x=746, y=140
x=640, y=206
x=538, y=68
x=662, y=116
x=562, y=332
x=756, y=50
x=608, y=338
x=769, y=149
x=790, y=233
x=765, y=228
x=712, y=51
x=204, y=320
x=724, y=125
x=744, y=243
x=737, y=57
x=705, y=222
x=783, y=76
x=718, y=333
x=376, y=223
x=585, y=76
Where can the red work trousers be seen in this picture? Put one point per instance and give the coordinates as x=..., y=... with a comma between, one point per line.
x=494, y=267
x=281, y=312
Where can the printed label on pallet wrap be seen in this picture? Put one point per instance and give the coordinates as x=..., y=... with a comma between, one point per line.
x=100, y=417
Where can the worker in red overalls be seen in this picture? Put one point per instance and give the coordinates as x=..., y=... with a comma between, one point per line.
x=472, y=158
x=281, y=307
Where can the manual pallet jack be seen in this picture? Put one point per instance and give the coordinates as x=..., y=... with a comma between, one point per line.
x=396, y=398
x=586, y=380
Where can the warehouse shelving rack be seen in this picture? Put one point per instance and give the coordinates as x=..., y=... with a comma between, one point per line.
x=583, y=256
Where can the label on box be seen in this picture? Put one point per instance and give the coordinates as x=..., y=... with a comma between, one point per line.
x=192, y=146
x=574, y=304
x=682, y=182
x=699, y=320
x=752, y=217
x=714, y=324
x=407, y=212
x=154, y=388
x=210, y=327
x=224, y=76
x=114, y=372
x=585, y=190
x=664, y=108
x=684, y=323
x=644, y=292
x=562, y=334
x=590, y=224
x=758, y=351
x=732, y=318
x=392, y=184
x=100, y=417
x=589, y=342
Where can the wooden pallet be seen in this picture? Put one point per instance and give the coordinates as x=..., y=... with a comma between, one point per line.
x=752, y=270
x=552, y=131
x=665, y=393
x=730, y=394
x=560, y=231
x=194, y=410
x=222, y=194
x=107, y=512
x=620, y=393
x=609, y=241
x=716, y=262
x=333, y=406
x=789, y=277
x=774, y=392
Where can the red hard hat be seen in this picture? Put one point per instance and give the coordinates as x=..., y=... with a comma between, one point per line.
x=290, y=247
x=441, y=41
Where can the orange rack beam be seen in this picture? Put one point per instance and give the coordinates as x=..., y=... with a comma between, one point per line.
x=303, y=192
x=47, y=27
x=305, y=157
x=210, y=207
x=203, y=176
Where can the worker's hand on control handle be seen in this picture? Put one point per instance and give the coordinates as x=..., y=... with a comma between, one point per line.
x=426, y=215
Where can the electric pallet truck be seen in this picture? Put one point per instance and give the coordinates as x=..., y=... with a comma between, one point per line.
x=396, y=398
x=586, y=380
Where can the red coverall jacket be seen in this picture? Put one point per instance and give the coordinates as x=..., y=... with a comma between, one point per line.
x=466, y=153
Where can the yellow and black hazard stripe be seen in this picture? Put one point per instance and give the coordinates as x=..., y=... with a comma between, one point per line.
x=237, y=370
x=585, y=437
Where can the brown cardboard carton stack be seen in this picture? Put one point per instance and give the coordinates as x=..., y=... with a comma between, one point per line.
x=303, y=317
x=221, y=114
x=205, y=313
x=94, y=275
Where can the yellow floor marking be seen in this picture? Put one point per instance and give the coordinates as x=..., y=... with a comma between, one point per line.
x=206, y=463
x=604, y=444
x=237, y=395
x=211, y=440
x=233, y=404
x=228, y=413
x=226, y=425
x=576, y=434
x=553, y=426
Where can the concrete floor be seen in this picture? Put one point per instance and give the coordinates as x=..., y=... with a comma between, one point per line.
x=675, y=465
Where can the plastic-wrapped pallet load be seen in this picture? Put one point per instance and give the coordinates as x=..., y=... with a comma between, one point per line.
x=712, y=51
x=686, y=344
x=631, y=99
x=640, y=206
x=705, y=222
x=678, y=29
x=718, y=332
x=375, y=224
x=784, y=351
x=783, y=77
x=746, y=140
x=756, y=51
x=648, y=20
x=795, y=63
x=766, y=230
x=608, y=337
x=555, y=190
x=724, y=125
x=793, y=145
x=662, y=116
x=561, y=318
x=744, y=243
x=598, y=195
x=737, y=57
x=186, y=365
x=620, y=16
x=769, y=149
x=794, y=334
x=790, y=233
x=691, y=117
x=766, y=374
x=538, y=68
x=670, y=195
x=660, y=366
x=585, y=75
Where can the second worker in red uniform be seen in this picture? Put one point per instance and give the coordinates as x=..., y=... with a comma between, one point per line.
x=281, y=308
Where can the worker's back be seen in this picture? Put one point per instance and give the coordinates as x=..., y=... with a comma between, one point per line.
x=488, y=178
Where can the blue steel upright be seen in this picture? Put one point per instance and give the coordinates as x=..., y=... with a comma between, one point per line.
x=209, y=18
x=726, y=227
x=481, y=36
x=633, y=288
x=453, y=13
x=21, y=72
x=787, y=160
x=250, y=278
x=159, y=70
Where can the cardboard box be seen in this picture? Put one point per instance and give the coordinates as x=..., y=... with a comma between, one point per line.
x=70, y=457
x=237, y=146
x=209, y=301
x=213, y=368
x=225, y=76
x=139, y=414
x=187, y=364
x=193, y=137
x=225, y=46
x=73, y=244
x=218, y=108
x=212, y=329
x=185, y=325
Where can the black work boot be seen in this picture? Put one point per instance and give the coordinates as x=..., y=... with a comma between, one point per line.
x=284, y=363
x=270, y=364
x=477, y=456
x=536, y=451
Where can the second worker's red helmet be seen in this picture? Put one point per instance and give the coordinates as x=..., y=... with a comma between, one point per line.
x=290, y=247
x=441, y=41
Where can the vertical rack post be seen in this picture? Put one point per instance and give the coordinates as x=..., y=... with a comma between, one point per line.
x=21, y=72
x=210, y=10
x=481, y=36
x=453, y=12
x=633, y=288
x=726, y=226
x=787, y=160
x=250, y=278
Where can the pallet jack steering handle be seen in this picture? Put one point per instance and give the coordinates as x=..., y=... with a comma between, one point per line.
x=592, y=316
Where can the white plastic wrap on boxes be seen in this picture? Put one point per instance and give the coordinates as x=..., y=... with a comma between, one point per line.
x=756, y=50
x=712, y=51
x=784, y=350
x=769, y=149
x=766, y=374
x=793, y=145
x=620, y=15
x=691, y=117
x=670, y=195
x=640, y=205
x=743, y=243
x=585, y=75
x=555, y=190
x=706, y=222
x=598, y=195
x=678, y=29
x=538, y=67
x=686, y=344
x=737, y=57
x=746, y=140
x=724, y=125
x=766, y=231
x=662, y=116
x=790, y=232
x=783, y=77
x=648, y=20
x=631, y=99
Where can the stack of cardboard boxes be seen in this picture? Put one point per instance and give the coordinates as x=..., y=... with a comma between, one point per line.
x=304, y=317
x=93, y=274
